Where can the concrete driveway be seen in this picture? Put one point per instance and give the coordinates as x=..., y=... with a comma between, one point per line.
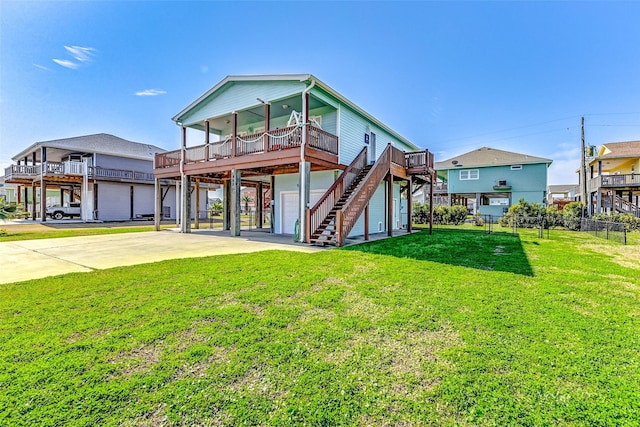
x=33, y=259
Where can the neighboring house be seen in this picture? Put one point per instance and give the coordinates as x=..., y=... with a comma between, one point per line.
x=111, y=177
x=332, y=169
x=7, y=192
x=614, y=178
x=488, y=181
x=561, y=195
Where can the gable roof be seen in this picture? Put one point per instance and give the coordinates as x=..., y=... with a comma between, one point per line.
x=619, y=149
x=100, y=143
x=303, y=78
x=485, y=157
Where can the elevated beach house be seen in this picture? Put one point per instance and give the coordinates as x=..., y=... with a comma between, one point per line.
x=111, y=178
x=333, y=170
x=488, y=181
x=614, y=178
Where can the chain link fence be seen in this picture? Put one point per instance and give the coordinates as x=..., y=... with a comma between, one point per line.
x=616, y=231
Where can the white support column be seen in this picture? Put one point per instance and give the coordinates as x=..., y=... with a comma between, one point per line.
x=303, y=196
x=235, y=202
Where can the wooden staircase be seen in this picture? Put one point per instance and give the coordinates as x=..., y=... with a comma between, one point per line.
x=325, y=233
x=623, y=206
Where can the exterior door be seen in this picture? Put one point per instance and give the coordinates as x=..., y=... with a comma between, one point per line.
x=372, y=148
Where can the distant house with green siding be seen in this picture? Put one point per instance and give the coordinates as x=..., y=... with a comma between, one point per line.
x=488, y=181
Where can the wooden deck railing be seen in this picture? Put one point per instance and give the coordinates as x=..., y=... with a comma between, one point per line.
x=352, y=209
x=21, y=171
x=321, y=209
x=419, y=161
x=612, y=181
x=273, y=140
x=119, y=174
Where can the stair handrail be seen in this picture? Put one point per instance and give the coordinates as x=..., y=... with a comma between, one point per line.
x=625, y=206
x=347, y=217
x=321, y=209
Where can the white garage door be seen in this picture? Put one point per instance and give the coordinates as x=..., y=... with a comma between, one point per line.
x=289, y=210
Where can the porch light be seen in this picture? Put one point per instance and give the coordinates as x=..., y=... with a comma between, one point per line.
x=285, y=106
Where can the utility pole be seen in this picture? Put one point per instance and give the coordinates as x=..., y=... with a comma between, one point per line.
x=583, y=170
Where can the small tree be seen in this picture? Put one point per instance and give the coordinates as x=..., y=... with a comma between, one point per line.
x=246, y=199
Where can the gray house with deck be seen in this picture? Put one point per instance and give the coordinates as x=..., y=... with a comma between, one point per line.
x=110, y=177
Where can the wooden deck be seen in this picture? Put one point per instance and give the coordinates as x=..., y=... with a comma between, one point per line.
x=266, y=153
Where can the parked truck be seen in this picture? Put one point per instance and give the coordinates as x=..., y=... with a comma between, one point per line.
x=69, y=210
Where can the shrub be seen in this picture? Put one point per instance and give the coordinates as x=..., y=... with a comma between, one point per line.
x=420, y=213
x=572, y=215
x=529, y=215
x=632, y=222
x=440, y=214
x=457, y=214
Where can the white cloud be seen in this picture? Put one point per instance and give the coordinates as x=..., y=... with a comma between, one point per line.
x=66, y=63
x=42, y=67
x=82, y=54
x=151, y=92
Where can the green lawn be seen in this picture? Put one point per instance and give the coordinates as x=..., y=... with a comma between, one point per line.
x=457, y=328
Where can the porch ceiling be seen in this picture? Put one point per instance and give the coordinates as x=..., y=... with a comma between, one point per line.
x=280, y=108
x=53, y=155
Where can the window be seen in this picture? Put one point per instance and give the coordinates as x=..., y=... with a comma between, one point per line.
x=468, y=174
x=516, y=167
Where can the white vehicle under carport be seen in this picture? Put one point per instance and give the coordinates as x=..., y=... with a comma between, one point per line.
x=69, y=210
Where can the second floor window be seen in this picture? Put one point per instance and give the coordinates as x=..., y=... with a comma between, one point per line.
x=469, y=174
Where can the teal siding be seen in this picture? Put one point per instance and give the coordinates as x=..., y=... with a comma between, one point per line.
x=529, y=183
x=352, y=130
x=240, y=96
x=531, y=178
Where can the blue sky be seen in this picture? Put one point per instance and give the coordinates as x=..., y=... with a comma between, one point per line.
x=449, y=76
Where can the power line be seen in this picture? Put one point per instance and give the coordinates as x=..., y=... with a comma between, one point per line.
x=514, y=128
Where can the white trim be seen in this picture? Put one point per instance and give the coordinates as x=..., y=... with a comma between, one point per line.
x=468, y=173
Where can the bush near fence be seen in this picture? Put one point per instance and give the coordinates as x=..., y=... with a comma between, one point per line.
x=455, y=215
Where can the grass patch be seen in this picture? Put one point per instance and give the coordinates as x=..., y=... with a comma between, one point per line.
x=446, y=329
x=12, y=233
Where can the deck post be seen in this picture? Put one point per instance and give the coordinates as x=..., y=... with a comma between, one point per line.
x=33, y=201
x=157, y=212
x=178, y=204
x=409, y=207
x=432, y=181
x=390, y=205
x=226, y=202
x=272, y=204
x=366, y=222
x=185, y=224
x=196, y=216
x=259, y=205
x=26, y=199
x=43, y=185
x=234, y=211
x=267, y=119
x=234, y=133
x=207, y=130
x=304, y=194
